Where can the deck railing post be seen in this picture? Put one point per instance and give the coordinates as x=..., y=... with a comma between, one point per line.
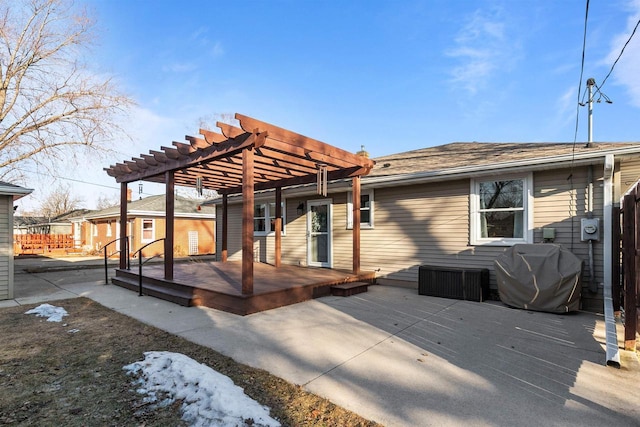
x=106, y=267
x=140, y=275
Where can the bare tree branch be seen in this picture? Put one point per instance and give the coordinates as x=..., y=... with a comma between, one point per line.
x=50, y=103
x=59, y=201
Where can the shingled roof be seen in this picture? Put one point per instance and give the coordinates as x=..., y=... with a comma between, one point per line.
x=156, y=205
x=480, y=154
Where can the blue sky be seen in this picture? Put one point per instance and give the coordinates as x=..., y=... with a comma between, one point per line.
x=390, y=75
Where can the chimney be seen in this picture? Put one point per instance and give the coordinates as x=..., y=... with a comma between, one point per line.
x=129, y=192
x=362, y=152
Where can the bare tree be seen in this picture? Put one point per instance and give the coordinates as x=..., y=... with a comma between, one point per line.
x=59, y=201
x=105, y=201
x=50, y=103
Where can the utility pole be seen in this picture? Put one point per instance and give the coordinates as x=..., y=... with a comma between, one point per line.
x=590, y=84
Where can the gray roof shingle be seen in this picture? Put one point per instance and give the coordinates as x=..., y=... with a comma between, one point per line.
x=467, y=154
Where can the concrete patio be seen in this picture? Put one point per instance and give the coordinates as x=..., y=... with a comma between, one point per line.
x=403, y=359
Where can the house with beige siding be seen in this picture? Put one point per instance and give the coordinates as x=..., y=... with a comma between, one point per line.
x=455, y=205
x=194, y=232
x=8, y=194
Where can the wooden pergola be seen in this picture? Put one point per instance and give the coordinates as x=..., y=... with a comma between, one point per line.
x=254, y=156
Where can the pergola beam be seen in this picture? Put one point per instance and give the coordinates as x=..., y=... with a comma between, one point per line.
x=299, y=180
x=281, y=158
x=249, y=124
x=218, y=151
x=211, y=137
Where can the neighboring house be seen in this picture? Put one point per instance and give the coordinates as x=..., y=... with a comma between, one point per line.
x=8, y=194
x=456, y=205
x=194, y=231
x=35, y=235
x=59, y=224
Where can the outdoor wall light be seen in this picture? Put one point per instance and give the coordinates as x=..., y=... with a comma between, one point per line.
x=300, y=208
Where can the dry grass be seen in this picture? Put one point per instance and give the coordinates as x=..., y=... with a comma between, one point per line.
x=51, y=377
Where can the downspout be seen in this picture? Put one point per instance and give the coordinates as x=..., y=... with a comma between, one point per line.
x=611, y=335
x=607, y=209
x=593, y=286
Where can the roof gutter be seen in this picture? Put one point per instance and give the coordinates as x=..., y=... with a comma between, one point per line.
x=546, y=163
x=152, y=214
x=16, y=192
x=483, y=170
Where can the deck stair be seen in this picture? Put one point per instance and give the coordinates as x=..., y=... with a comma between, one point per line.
x=348, y=289
x=159, y=288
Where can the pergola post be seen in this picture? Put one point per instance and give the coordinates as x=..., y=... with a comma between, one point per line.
x=169, y=225
x=356, y=223
x=278, y=227
x=247, y=220
x=225, y=229
x=123, y=226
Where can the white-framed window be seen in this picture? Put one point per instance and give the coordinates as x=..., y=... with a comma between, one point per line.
x=366, y=209
x=148, y=230
x=94, y=226
x=264, y=215
x=109, y=229
x=502, y=210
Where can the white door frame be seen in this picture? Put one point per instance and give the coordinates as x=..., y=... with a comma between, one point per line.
x=329, y=232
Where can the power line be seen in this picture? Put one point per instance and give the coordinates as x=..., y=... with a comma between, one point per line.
x=621, y=52
x=584, y=48
x=77, y=180
x=575, y=135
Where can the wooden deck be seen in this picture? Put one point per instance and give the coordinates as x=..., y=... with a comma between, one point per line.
x=219, y=285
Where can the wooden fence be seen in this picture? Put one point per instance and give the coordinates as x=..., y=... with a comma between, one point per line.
x=24, y=244
x=630, y=265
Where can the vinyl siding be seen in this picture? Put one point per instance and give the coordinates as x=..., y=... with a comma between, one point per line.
x=294, y=241
x=561, y=203
x=416, y=225
x=629, y=174
x=429, y=224
x=6, y=247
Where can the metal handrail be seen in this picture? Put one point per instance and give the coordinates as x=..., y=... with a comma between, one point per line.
x=141, y=263
x=126, y=250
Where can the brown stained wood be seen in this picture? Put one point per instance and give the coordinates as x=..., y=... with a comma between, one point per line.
x=284, y=161
x=123, y=225
x=230, y=131
x=616, y=286
x=171, y=153
x=149, y=160
x=230, y=165
x=278, y=228
x=211, y=153
x=212, y=137
x=630, y=263
x=159, y=156
x=276, y=163
x=225, y=226
x=249, y=124
x=218, y=285
x=304, y=153
x=169, y=225
x=247, y=221
x=209, y=177
x=635, y=304
x=122, y=168
x=215, y=179
x=356, y=223
x=140, y=163
x=300, y=180
x=184, y=149
x=132, y=165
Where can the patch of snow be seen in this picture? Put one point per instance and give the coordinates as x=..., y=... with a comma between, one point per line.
x=53, y=313
x=73, y=331
x=208, y=397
